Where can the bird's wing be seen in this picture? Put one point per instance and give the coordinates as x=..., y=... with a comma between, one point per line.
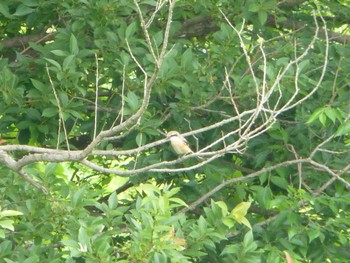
x=184, y=140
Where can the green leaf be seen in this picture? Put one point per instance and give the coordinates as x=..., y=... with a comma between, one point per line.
x=322, y=118
x=73, y=45
x=132, y=100
x=130, y=30
x=343, y=129
x=158, y=38
x=186, y=90
x=228, y=221
x=137, y=224
x=140, y=139
x=315, y=115
x=245, y=222
x=223, y=207
x=292, y=232
x=279, y=134
x=70, y=243
x=78, y=196
x=231, y=249
x=83, y=238
x=187, y=59
x=264, y=196
x=50, y=169
x=254, y=7
x=7, y=223
x=50, y=112
x=303, y=65
x=178, y=201
x=39, y=85
x=23, y=10
x=279, y=181
x=75, y=114
x=10, y=213
x=202, y=224
x=32, y=259
x=248, y=241
x=4, y=9
x=163, y=203
x=159, y=258
x=54, y=63
x=31, y=3
x=262, y=16
x=176, y=83
x=149, y=189
x=63, y=99
x=125, y=58
x=113, y=201
x=239, y=212
x=173, y=191
x=313, y=234
x=68, y=61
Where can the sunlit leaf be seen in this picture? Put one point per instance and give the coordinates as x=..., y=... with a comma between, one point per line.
x=5, y=213
x=113, y=201
x=240, y=210
x=343, y=129
x=7, y=223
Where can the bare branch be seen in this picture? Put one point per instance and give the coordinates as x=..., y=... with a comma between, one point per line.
x=6, y=160
x=96, y=95
x=60, y=111
x=261, y=172
x=240, y=125
x=236, y=180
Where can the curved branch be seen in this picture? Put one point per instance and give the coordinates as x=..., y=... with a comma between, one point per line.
x=6, y=160
x=204, y=197
x=147, y=93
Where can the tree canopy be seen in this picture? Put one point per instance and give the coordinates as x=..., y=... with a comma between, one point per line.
x=89, y=89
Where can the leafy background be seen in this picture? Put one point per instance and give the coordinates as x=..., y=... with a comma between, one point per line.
x=58, y=50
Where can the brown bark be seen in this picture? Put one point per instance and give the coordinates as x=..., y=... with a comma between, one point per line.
x=22, y=41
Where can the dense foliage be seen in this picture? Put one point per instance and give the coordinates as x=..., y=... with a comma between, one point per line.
x=260, y=89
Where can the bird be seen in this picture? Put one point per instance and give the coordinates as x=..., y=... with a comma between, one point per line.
x=179, y=143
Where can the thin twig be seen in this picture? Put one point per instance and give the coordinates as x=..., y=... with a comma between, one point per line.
x=60, y=109
x=96, y=94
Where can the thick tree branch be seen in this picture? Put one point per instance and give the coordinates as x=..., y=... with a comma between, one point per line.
x=291, y=24
x=290, y=3
x=7, y=161
x=251, y=122
x=21, y=41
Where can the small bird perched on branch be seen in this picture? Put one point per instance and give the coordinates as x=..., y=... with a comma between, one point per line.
x=179, y=143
